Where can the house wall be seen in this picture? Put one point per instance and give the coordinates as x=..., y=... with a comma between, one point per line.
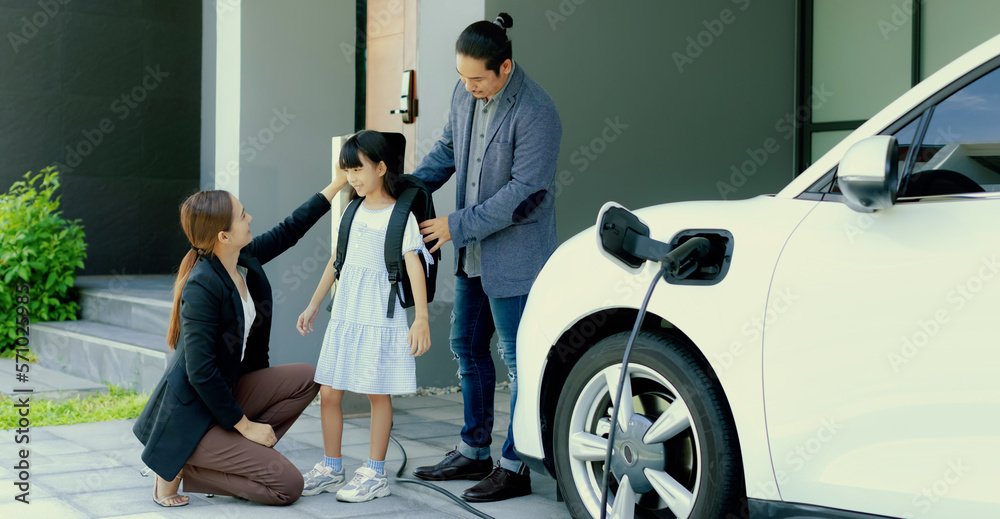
x=296, y=92
x=661, y=101
x=110, y=93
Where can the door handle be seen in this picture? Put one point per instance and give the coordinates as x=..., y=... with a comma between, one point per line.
x=407, y=97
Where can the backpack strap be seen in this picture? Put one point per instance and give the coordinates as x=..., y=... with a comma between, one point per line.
x=394, y=246
x=344, y=234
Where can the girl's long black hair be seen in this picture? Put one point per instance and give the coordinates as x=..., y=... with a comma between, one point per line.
x=376, y=148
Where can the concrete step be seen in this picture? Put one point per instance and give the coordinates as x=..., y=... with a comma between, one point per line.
x=140, y=303
x=101, y=352
x=44, y=383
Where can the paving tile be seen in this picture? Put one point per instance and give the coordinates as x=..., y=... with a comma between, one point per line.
x=416, y=449
x=426, y=430
x=75, y=431
x=225, y=507
x=425, y=498
x=311, y=438
x=286, y=445
x=457, y=422
x=84, y=461
x=451, y=397
x=54, y=447
x=129, y=456
x=403, y=417
x=447, y=442
x=146, y=515
x=438, y=413
x=420, y=401
x=129, y=501
x=34, y=434
x=312, y=410
x=326, y=505
x=41, y=508
x=9, y=490
x=421, y=514
x=97, y=476
x=93, y=481
x=35, y=491
x=114, y=440
x=306, y=424
x=355, y=437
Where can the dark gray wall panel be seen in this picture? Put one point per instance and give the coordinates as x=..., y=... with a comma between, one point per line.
x=687, y=126
x=128, y=161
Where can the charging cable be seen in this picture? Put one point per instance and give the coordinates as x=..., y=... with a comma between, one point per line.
x=431, y=486
x=676, y=260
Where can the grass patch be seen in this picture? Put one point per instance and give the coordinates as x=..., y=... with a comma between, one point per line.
x=12, y=354
x=117, y=404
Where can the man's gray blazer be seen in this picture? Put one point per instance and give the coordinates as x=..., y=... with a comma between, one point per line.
x=515, y=219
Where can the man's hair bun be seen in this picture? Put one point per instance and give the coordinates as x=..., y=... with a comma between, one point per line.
x=504, y=20
x=487, y=41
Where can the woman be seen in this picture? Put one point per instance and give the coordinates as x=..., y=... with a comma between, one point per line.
x=219, y=409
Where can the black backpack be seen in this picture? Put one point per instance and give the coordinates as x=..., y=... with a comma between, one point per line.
x=411, y=196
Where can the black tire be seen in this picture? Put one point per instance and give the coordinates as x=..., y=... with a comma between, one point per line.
x=703, y=457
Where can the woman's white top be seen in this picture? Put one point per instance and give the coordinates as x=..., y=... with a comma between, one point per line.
x=249, y=311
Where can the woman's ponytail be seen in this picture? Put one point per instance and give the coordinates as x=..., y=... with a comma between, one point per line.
x=203, y=216
x=174, y=331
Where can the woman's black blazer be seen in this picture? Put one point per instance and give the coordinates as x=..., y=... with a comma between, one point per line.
x=196, y=390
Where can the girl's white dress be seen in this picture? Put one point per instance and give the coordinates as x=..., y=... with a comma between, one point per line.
x=363, y=350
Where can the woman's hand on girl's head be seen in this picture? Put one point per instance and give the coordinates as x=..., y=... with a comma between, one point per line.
x=420, y=337
x=338, y=183
x=305, y=322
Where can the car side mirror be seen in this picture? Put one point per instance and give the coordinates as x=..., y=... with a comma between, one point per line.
x=868, y=175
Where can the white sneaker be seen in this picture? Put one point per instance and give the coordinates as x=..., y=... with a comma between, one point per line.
x=365, y=486
x=322, y=479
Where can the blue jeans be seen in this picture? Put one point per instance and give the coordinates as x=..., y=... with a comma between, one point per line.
x=474, y=319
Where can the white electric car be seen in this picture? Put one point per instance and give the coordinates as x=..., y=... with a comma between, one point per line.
x=835, y=354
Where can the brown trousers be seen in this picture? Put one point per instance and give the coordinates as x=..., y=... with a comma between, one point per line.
x=227, y=464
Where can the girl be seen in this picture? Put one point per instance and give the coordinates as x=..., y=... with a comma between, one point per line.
x=363, y=351
x=219, y=409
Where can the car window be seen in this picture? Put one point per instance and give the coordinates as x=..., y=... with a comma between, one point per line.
x=959, y=151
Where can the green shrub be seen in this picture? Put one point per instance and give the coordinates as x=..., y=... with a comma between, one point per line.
x=39, y=248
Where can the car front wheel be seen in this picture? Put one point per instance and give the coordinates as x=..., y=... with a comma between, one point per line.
x=675, y=455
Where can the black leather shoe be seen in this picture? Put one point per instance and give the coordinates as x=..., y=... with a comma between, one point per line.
x=499, y=485
x=455, y=466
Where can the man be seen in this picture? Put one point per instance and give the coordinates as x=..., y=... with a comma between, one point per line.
x=502, y=139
